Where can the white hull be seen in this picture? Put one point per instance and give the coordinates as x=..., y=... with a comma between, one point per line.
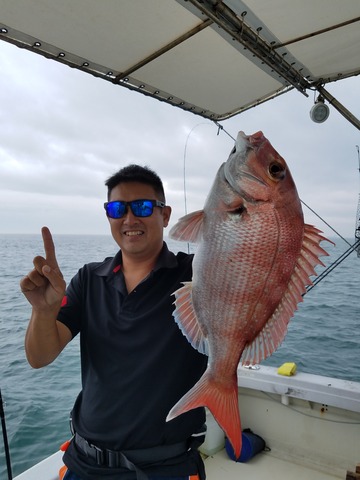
x=311, y=424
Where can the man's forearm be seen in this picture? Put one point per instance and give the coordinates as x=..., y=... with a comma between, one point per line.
x=45, y=338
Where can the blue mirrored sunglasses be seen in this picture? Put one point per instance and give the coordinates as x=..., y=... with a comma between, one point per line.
x=139, y=208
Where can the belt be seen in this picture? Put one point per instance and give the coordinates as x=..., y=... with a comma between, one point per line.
x=130, y=458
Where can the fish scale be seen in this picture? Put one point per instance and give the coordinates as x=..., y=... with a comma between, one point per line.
x=252, y=264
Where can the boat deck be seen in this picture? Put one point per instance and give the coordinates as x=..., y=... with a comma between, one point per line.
x=263, y=466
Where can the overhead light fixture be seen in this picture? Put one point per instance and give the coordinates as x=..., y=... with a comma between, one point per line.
x=319, y=112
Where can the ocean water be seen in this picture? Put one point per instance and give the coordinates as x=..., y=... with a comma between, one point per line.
x=323, y=338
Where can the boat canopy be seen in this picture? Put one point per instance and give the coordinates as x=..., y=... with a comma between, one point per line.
x=214, y=58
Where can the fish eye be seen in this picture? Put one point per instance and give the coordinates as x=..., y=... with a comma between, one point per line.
x=233, y=150
x=277, y=170
x=238, y=211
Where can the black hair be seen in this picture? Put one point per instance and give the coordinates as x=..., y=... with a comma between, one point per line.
x=136, y=173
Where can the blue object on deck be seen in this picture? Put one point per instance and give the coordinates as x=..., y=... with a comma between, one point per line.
x=251, y=445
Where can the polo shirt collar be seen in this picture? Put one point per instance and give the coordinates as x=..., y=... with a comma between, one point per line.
x=110, y=266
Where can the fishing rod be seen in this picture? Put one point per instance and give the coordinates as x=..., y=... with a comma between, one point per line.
x=355, y=247
x=6, y=443
x=331, y=267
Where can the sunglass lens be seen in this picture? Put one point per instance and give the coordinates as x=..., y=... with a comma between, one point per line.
x=142, y=208
x=115, y=209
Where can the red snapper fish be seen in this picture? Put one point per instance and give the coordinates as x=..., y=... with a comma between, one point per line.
x=251, y=267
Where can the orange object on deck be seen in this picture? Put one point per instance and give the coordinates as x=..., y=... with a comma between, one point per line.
x=62, y=472
x=65, y=445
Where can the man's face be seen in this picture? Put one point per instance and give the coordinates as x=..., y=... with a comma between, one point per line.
x=138, y=237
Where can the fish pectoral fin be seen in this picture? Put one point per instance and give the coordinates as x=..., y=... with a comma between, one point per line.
x=186, y=319
x=188, y=228
x=275, y=329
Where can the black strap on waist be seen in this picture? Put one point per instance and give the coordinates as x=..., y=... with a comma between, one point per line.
x=130, y=458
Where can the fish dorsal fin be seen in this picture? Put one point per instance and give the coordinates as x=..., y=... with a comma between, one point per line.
x=186, y=319
x=275, y=329
x=188, y=228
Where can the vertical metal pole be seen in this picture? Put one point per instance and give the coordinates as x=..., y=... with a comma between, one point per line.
x=6, y=444
x=357, y=224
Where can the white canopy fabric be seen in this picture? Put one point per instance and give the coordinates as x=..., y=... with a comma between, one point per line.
x=214, y=58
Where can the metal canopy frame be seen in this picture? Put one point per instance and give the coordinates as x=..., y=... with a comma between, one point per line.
x=215, y=58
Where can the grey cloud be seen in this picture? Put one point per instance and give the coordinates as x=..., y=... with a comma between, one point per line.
x=62, y=133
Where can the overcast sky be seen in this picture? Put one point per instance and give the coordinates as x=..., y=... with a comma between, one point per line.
x=64, y=132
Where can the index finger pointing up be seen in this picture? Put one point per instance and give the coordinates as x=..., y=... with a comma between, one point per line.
x=49, y=248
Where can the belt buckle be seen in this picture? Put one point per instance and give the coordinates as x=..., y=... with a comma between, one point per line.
x=99, y=454
x=113, y=458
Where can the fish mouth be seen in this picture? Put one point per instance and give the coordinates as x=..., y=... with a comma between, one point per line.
x=236, y=162
x=253, y=165
x=240, y=174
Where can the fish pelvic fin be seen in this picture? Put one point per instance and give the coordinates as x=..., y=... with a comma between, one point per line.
x=221, y=401
x=275, y=329
x=188, y=228
x=185, y=317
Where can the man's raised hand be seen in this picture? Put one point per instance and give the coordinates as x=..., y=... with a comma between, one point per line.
x=44, y=286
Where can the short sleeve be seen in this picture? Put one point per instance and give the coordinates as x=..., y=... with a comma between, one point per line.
x=71, y=308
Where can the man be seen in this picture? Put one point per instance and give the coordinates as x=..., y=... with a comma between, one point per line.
x=135, y=361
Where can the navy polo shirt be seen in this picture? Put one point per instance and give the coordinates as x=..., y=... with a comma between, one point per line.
x=136, y=364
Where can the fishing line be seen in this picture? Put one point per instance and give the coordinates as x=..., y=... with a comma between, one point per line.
x=6, y=443
x=338, y=261
x=337, y=233
x=354, y=247
x=331, y=267
x=184, y=170
x=184, y=161
x=220, y=128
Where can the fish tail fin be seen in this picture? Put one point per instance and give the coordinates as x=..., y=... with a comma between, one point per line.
x=221, y=401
